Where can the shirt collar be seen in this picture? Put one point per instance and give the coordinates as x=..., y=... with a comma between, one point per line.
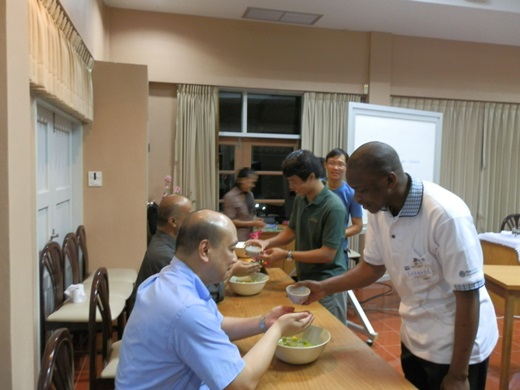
x=413, y=202
x=319, y=198
x=183, y=269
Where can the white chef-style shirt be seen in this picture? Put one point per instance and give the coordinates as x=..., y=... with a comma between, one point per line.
x=430, y=249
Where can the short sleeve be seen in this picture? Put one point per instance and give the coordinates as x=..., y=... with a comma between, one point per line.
x=230, y=208
x=205, y=348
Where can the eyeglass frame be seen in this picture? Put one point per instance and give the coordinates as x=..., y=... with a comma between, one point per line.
x=333, y=164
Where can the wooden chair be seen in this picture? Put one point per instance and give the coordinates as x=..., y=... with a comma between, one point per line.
x=104, y=377
x=57, y=312
x=118, y=289
x=50, y=261
x=57, y=370
x=125, y=274
x=70, y=257
x=71, y=252
x=512, y=221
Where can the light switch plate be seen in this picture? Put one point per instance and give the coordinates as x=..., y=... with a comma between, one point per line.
x=95, y=178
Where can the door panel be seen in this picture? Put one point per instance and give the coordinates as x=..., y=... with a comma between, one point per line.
x=54, y=182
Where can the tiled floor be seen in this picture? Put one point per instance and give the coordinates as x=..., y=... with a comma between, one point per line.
x=382, y=313
x=383, y=316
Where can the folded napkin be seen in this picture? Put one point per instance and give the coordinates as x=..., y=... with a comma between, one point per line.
x=76, y=293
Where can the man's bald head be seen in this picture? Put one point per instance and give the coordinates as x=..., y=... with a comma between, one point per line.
x=172, y=206
x=202, y=225
x=375, y=158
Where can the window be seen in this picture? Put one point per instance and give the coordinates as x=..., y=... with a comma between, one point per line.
x=260, y=114
x=258, y=131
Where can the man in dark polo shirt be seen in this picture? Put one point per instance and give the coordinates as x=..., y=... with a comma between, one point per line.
x=170, y=215
x=317, y=225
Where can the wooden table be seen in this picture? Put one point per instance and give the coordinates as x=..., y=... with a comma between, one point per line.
x=346, y=362
x=499, y=254
x=504, y=280
x=496, y=254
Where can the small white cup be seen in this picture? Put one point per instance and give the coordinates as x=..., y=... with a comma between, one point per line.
x=253, y=251
x=297, y=295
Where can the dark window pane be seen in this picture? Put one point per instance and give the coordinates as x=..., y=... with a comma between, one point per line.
x=269, y=187
x=273, y=114
x=230, y=111
x=226, y=183
x=272, y=213
x=226, y=157
x=269, y=158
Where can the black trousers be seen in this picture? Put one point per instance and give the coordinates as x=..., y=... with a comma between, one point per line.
x=426, y=375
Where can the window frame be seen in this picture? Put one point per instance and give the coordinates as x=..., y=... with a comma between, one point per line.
x=243, y=141
x=243, y=130
x=243, y=157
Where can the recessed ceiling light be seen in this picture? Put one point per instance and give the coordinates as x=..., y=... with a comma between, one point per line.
x=272, y=15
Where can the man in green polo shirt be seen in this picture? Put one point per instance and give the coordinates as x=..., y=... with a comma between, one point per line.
x=317, y=224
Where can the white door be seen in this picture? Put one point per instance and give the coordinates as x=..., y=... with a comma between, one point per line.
x=58, y=181
x=54, y=176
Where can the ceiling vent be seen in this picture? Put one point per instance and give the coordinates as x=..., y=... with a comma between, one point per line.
x=274, y=15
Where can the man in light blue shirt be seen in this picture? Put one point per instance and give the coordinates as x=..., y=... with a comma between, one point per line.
x=336, y=167
x=177, y=339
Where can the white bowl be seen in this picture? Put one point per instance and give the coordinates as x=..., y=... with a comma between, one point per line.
x=297, y=295
x=248, y=285
x=319, y=337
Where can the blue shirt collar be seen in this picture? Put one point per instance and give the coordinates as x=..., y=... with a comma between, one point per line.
x=188, y=273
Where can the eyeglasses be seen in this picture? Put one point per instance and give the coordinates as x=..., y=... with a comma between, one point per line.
x=340, y=165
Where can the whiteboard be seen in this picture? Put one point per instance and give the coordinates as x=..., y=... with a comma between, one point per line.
x=416, y=135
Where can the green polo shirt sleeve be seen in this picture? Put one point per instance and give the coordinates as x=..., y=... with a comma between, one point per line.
x=334, y=225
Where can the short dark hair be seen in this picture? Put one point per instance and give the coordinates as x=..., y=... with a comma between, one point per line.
x=244, y=173
x=302, y=163
x=335, y=153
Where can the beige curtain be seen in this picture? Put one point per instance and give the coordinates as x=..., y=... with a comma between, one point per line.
x=61, y=65
x=196, y=159
x=479, y=158
x=324, y=123
x=500, y=177
x=461, y=143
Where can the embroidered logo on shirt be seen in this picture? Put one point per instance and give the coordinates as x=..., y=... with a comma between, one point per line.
x=465, y=274
x=419, y=269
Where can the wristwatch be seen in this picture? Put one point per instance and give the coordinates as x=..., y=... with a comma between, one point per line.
x=289, y=256
x=263, y=327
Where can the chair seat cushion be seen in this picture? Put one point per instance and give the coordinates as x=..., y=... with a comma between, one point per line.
x=110, y=369
x=79, y=312
x=119, y=288
x=121, y=274
x=128, y=274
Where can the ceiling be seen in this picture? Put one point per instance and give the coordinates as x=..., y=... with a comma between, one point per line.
x=486, y=21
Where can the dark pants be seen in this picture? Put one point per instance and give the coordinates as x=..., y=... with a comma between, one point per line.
x=428, y=376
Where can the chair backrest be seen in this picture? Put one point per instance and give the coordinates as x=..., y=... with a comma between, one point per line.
x=70, y=256
x=81, y=238
x=50, y=261
x=512, y=221
x=99, y=305
x=57, y=370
